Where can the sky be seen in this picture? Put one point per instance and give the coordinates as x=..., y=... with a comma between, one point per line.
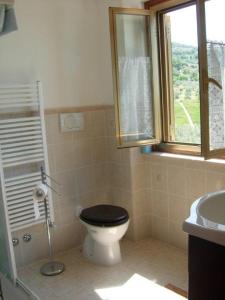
x=184, y=24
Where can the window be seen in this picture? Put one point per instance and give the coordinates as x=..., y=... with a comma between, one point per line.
x=180, y=49
x=169, y=76
x=135, y=77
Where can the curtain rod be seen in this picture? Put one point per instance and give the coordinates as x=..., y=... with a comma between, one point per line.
x=216, y=43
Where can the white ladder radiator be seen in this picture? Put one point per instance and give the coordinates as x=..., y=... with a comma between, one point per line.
x=23, y=150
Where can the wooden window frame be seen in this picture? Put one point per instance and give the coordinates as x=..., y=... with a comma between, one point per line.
x=161, y=7
x=155, y=76
x=158, y=8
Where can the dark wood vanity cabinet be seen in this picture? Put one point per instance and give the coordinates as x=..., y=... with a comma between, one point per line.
x=206, y=268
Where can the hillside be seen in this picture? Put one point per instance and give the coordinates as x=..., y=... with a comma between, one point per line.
x=186, y=92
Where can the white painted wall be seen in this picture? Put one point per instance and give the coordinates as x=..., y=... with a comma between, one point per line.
x=32, y=53
x=133, y=3
x=66, y=45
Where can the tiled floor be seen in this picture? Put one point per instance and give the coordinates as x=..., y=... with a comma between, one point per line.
x=147, y=266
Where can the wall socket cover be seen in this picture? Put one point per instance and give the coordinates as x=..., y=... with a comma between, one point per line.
x=71, y=122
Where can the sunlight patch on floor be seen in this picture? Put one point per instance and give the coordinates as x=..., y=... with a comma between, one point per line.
x=138, y=287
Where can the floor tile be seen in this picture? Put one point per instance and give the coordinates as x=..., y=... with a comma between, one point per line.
x=147, y=266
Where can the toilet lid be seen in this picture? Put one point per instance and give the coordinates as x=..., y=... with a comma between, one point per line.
x=104, y=215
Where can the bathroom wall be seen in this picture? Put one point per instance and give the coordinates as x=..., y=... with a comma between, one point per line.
x=174, y=184
x=79, y=162
x=158, y=189
x=167, y=186
x=67, y=47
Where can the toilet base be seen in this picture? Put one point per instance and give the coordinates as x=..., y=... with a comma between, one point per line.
x=107, y=255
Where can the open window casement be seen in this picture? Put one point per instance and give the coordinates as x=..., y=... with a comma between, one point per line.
x=135, y=76
x=212, y=77
x=136, y=35
x=167, y=80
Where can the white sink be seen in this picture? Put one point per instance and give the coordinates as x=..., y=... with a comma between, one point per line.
x=207, y=218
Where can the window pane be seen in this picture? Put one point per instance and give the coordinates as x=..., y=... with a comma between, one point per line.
x=184, y=65
x=135, y=75
x=215, y=34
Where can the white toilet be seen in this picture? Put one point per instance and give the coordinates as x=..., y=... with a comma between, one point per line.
x=106, y=225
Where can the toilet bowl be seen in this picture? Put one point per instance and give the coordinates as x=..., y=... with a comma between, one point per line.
x=106, y=225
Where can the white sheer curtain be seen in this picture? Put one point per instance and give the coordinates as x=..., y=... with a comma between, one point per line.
x=136, y=98
x=216, y=73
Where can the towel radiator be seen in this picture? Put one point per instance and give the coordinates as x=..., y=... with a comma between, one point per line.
x=23, y=150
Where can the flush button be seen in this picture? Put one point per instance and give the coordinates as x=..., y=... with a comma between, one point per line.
x=71, y=122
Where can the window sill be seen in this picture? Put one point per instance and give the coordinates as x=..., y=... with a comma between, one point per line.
x=193, y=150
x=184, y=157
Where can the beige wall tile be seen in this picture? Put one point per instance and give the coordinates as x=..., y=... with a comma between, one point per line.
x=121, y=176
x=37, y=248
x=196, y=184
x=160, y=228
x=72, y=235
x=98, y=124
x=138, y=176
x=160, y=204
x=68, y=183
x=135, y=156
x=156, y=157
x=100, y=176
x=113, y=154
x=177, y=180
x=148, y=170
x=177, y=237
x=141, y=203
x=215, y=181
x=159, y=176
x=85, y=199
x=86, y=179
x=175, y=161
x=98, y=149
x=64, y=157
x=195, y=164
x=130, y=234
x=122, y=198
x=178, y=208
x=83, y=152
x=110, y=123
x=125, y=155
x=102, y=196
x=67, y=212
x=142, y=227
x=210, y=165
x=57, y=212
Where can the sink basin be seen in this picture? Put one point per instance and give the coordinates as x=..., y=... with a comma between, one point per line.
x=212, y=208
x=207, y=218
